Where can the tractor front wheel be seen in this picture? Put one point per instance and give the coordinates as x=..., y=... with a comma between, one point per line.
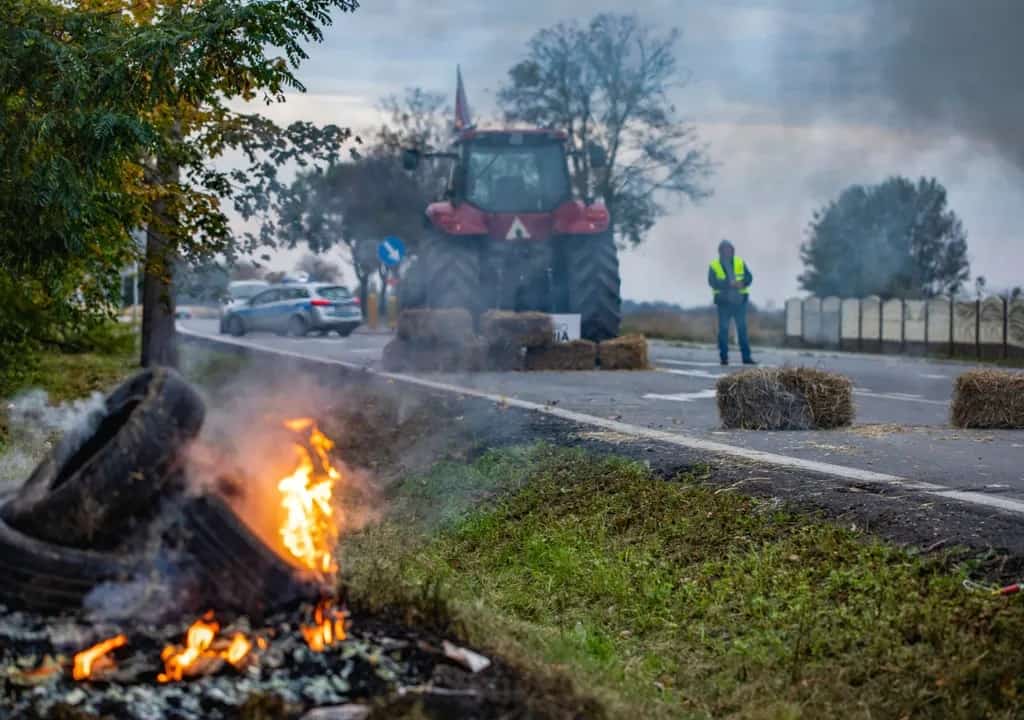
x=592, y=268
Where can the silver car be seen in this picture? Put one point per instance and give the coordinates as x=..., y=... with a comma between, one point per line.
x=296, y=309
x=239, y=293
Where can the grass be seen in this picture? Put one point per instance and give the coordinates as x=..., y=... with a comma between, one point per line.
x=72, y=375
x=669, y=599
x=763, y=328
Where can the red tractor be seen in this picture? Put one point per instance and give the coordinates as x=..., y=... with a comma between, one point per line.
x=509, y=234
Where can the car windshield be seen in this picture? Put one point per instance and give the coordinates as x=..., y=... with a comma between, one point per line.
x=516, y=178
x=336, y=293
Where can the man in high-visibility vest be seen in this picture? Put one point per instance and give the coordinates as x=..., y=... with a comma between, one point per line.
x=730, y=279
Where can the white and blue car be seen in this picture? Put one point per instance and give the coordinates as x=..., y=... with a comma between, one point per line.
x=296, y=309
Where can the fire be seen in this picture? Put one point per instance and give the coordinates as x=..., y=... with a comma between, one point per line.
x=309, y=531
x=329, y=627
x=203, y=652
x=95, y=658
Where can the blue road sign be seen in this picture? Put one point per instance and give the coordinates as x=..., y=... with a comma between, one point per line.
x=391, y=251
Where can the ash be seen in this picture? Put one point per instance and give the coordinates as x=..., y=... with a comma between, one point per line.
x=375, y=661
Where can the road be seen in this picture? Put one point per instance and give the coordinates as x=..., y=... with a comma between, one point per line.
x=901, y=430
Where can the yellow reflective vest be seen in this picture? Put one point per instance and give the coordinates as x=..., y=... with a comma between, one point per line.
x=739, y=270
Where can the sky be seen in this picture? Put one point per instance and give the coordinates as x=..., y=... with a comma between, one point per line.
x=795, y=99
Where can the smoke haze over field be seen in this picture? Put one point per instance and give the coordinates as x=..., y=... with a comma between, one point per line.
x=797, y=99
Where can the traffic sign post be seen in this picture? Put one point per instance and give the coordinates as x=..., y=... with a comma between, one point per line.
x=391, y=251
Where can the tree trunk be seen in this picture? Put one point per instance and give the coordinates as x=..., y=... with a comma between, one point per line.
x=364, y=292
x=159, y=341
x=383, y=297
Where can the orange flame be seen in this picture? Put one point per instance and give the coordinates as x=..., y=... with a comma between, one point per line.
x=309, y=531
x=95, y=658
x=199, y=651
x=329, y=627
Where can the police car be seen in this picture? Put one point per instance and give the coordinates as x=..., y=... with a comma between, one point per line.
x=296, y=309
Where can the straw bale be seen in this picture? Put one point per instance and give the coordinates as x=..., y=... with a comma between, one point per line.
x=793, y=398
x=989, y=399
x=574, y=355
x=429, y=326
x=628, y=352
x=504, y=358
x=525, y=329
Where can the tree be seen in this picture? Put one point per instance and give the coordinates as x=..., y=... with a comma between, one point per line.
x=111, y=121
x=607, y=85
x=895, y=239
x=359, y=203
x=319, y=269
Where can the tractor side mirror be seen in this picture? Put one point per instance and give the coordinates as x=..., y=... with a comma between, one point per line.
x=410, y=158
x=597, y=156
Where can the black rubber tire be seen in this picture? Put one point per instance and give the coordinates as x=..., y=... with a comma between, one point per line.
x=412, y=288
x=451, y=273
x=235, y=326
x=42, y=577
x=297, y=326
x=241, y=572
x=89, y=488
x=592, y=280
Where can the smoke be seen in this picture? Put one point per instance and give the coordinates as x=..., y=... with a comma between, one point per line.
x=955, y=66
x=36, y=425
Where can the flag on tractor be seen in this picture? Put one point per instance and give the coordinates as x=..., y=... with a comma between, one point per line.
x=462, y=118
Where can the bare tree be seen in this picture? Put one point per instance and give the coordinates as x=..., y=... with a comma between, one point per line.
x=319, y=269
x=607, y=85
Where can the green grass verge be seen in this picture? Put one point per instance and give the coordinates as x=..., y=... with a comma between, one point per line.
x=72, y=375
x=671, y=599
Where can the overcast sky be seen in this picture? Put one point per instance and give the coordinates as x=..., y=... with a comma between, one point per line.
x=796, y=99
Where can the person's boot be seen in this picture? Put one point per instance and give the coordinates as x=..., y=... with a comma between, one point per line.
x=724, y=361
x=749, y=361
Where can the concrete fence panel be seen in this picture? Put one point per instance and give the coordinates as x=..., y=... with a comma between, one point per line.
x=915, y=325
x=812, y=321
x=794, y=321
x=965, y=327
x=1015, y=328
x=892, y=326
x=830, y=322
x=991, y=327
x=871, y=324
x=849, y=332
x=940, y=328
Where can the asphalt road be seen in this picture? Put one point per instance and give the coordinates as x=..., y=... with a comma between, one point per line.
x=902, y=426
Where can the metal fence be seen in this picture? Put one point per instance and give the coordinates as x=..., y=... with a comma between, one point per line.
x=987, y=328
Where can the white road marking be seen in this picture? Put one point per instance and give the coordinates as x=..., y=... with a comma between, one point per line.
x=683, y=397
x=935, y=376
x=671, y=438
x=692, y=373
x=906, y=397
x=694, y=363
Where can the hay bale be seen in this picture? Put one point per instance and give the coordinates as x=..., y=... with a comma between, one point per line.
x=504, y=358
x=574, y=355
x=628, y=352
x=512, y=329
x=989, y=399
x=405, y=356
x=795, y=398
x=429, y=326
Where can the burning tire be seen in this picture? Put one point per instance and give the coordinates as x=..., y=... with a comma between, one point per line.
x=242, y=573
x=85, y=492
x=592, y=269
x=50, y=578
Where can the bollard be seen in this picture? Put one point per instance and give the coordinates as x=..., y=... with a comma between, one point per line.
x=393, y=310
x=372, y=311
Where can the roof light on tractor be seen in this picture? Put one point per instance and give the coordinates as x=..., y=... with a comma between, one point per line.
x=512, y=233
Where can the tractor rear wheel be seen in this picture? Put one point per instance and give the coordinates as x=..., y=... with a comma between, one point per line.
x=451, y=273
x=593, y=283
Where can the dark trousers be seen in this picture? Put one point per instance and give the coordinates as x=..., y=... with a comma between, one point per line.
x=738, y=313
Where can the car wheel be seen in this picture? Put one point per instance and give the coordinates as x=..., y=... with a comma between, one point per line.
x=297, y=326
x=235, y=326
x=345, y=332
x=90, y=487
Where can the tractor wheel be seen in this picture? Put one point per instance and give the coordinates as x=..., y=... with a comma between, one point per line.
x=451, y=273
x=592, y=280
